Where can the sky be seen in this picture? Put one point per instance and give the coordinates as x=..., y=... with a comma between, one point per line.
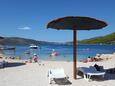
x=28, y=18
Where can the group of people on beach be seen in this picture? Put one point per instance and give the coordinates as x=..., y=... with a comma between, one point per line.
x=94, y=59
x=35, y=59
x=91, y=59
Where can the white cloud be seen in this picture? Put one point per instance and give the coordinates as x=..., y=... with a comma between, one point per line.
x=24, y=28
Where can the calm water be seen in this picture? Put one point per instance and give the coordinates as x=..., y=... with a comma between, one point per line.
x=65, y=51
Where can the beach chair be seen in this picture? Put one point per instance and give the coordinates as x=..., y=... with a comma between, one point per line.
x=57, y=73
x=91, y=71
x=1, y=64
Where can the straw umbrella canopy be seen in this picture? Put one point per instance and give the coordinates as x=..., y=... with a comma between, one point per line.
x=76, y=23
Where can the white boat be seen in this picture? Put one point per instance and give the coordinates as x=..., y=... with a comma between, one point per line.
x=33, y=46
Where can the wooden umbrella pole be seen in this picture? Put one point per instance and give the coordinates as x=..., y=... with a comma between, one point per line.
x=74, y=55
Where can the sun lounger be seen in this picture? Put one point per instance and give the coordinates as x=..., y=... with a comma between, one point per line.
x=2, y=63
x=56, y=74
x=91, y=71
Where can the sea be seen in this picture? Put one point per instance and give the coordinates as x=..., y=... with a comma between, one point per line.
x=65, y=52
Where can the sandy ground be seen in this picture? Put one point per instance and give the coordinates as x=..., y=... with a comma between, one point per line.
x=33, y=74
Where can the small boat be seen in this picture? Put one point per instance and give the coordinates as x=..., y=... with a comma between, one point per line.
x=33, y=46
x=12, y=48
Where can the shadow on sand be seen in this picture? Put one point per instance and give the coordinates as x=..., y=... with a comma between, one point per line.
x=14, y=64
x=62, y=82
x=108, y=76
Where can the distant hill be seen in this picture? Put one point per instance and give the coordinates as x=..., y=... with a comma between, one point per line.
x=108, y=39
x=21, y=41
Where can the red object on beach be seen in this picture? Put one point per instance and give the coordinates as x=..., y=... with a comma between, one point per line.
x=84, y=61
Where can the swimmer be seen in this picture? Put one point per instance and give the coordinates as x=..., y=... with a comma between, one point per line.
x=54, y=53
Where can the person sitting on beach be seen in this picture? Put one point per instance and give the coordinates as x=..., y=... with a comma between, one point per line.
x=97, y=59
x=94, y=59
x=29, y=60
x=89, y=59
x=35, y=58
x=97, y=67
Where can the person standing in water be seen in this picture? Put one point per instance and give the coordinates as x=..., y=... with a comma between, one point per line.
x=54, y=53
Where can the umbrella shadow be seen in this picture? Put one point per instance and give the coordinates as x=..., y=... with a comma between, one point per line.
x=98, y=78
x=106, y=77
x=80, y=73
x=109, y=76
x=14, y=64
x=62, y=81
x=93, y=78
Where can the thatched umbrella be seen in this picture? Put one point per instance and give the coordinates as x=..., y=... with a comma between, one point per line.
x=76, y=23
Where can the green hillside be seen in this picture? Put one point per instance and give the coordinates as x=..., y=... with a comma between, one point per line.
x=20, y=41
x=108, y=39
